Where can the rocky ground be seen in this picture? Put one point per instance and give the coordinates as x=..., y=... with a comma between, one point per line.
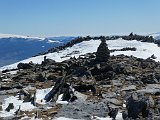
x=93, y=85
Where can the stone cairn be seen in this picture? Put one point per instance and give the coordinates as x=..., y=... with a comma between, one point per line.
x=103, y=53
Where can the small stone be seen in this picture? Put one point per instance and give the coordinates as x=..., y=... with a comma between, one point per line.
x=153, y=56
x=10, y=106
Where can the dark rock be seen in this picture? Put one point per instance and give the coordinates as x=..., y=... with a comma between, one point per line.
x=41, y=77
x=105, y=76
x=1, y=108
x=25, y=65
x=10, y=106
x=27, y=98
x=73, y=98
x=157, y=94
x=118, y=68
x=18, y=86
x=33, y=100
x=85, y=88
x=153, y=56
x=113, y=113
x=47, y=61
x=82, y=71
x=135, y=106
x=5, y=87
x=55, y=92
x=98, y=69
x=124, y=115
x=149, y=79
x=67, y=95
x=131, y=34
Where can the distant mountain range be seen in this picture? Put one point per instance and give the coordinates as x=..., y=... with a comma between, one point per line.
x=14, y=48
x=155, y=35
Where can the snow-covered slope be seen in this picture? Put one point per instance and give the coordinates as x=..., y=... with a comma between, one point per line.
x=144, y=50
x=14, y=48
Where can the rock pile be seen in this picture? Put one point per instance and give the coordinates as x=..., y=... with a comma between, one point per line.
x=103, y=52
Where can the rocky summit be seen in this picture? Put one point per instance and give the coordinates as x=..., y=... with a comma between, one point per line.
x=93, y=86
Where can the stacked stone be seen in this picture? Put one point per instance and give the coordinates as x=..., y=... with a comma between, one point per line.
x=103, y=53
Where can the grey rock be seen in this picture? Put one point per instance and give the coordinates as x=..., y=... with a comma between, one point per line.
x=83, y=110
x=150, y=89
x=128, y=88
x=151, y=101
x=114, y=101
x=117, y=82
x=130, y=78
x=110, y=95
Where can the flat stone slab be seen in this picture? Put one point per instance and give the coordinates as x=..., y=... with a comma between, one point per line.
x=150, y=89
x=127, y=88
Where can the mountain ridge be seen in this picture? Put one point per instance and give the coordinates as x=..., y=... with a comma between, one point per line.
x=15, y=47
x=79, y=46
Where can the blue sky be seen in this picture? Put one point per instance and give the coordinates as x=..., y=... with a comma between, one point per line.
x=78, y=17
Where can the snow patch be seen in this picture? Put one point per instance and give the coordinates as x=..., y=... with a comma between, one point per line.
x=27, y=106
x=52, y=41
x=40, y=94
x=59, y=101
